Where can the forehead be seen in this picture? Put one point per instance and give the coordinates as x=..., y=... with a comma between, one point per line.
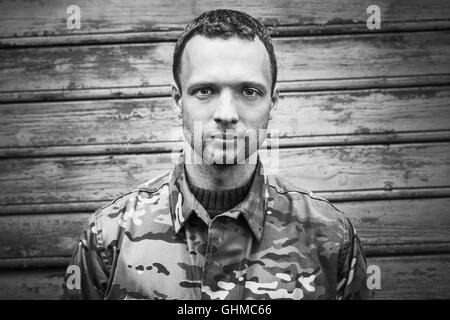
x=233, y=59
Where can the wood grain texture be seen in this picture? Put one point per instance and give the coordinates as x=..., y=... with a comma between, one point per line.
x=385, y=227
x=399, y=222
x=34, y=18
x=164, y=90
x=335, y=196
x=301, y=118
x=413, y=277
x=169, y=146
x=410, y=277
x=41, y=235
x=37, y=284
x=334, y=169
x=343, y=57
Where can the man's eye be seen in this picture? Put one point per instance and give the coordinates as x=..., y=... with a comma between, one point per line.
x=203, y=92
x=250, y=92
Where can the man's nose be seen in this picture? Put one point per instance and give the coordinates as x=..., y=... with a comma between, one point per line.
x=226, y=111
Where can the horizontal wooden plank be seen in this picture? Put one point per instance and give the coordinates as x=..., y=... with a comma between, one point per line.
x=326, y=169
x=334, y=196
x=140, y=125
x=172, y=35
x=405, y=278
x=164, y=90
x=29, y=263
x=385, y=227
x=37, y=284
x=400, y=222
x=367, y=167
x=343, y=57
x=413, y=277
x=156, y=19
x=170, y=146
x=41, y=235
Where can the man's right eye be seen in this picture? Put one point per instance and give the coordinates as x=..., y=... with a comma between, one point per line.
x=203, y=92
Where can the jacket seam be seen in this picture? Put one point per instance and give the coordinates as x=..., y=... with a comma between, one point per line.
x=130, y=192
x=100, y=243
x=99, y=210
x=306, y=193
x=151, y=191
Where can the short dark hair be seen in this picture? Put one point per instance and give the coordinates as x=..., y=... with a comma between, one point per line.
x=224, y=24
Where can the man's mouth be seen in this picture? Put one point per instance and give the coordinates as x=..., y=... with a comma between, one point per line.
x=224, y=136
x=226, y=139
x=223, y=142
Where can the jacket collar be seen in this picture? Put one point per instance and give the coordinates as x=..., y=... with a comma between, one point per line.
x=183, y=203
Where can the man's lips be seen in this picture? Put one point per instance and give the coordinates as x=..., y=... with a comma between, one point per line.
x=223, y=141
x=224, y=136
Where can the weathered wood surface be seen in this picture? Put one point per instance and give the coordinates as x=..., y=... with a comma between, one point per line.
x=307, y=59
x=333, y=117
x=417, y=277
x=336, y=168
x=156, y=19
x=41, y=235
x=164, y=90
x=385, y=227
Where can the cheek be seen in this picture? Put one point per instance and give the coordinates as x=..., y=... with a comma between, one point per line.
x=256, y=118
x=195, y=118
x=194, y=111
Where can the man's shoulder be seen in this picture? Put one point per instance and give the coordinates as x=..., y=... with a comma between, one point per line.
x=150, y=187
x=153, y=185
x=300, y=201
x=134, y=210
x=311, y=214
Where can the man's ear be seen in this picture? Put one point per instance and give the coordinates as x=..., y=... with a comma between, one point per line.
x=274, y=100
x=176, y=100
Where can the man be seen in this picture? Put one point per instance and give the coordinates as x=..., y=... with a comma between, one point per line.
x=218, y=227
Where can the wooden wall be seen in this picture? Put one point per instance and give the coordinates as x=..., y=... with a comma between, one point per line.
x=85, y=115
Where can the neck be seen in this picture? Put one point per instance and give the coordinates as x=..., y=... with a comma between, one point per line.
x=219, y=177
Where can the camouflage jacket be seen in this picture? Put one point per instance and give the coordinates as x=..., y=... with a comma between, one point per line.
x=158, y=242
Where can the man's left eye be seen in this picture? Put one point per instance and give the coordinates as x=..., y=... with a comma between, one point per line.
x=250, y=92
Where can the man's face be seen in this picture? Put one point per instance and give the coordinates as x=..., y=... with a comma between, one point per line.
x=226, y=87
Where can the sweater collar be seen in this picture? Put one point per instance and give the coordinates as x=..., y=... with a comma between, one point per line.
x=216, y=202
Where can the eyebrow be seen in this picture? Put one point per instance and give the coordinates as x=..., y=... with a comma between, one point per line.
x=243, y=84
